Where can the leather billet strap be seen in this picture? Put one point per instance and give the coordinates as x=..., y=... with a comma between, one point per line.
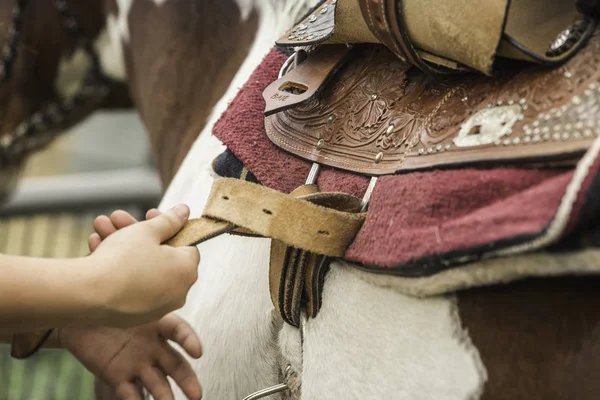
x=297, y=276
x=445, y=35
x=323, y=223
x=303, y=83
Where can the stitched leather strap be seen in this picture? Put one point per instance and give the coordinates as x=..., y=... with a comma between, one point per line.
x=306, y=226
x=386, y=21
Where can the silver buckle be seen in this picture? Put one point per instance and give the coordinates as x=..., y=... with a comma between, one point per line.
x=297, y=58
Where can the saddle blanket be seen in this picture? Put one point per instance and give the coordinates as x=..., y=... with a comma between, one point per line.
x=422, y=223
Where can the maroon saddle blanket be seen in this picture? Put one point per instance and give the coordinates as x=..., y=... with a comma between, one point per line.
x=420, y=223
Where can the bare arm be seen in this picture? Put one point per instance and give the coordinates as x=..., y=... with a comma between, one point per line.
x=130, y=279
x=38, y=293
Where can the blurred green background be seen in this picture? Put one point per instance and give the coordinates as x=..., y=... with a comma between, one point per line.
x=49, y=375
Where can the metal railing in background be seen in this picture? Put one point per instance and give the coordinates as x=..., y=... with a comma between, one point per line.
x=139, y=186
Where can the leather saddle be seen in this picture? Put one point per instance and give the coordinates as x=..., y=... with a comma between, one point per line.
x=385, y=87
x=367, y=109
x=388, y=87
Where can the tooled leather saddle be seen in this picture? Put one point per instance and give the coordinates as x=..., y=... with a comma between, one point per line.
x=388, y=88
x=402, y=100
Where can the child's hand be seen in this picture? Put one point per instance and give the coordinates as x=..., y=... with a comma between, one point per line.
x=142, y=355
x=106, y=226
x=122, y=357
x=141, y=279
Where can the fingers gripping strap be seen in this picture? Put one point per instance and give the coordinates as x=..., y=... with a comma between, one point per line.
x=196, y=231
x=306, y=226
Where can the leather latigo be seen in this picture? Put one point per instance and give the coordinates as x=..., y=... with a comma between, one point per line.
x=378, y=115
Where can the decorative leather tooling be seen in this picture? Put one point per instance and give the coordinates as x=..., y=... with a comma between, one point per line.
x=378, y=116
x=363, y=109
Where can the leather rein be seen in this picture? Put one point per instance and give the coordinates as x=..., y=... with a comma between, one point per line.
x=49, y=122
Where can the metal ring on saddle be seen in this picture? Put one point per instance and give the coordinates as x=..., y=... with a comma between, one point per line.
x=296, y=58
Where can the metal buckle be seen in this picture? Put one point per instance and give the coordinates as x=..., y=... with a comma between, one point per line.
x=282, y=387
x=297, y=58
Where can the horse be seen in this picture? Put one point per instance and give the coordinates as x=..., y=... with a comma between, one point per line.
x=534, y=338
x=475, y=342
x=47, y=75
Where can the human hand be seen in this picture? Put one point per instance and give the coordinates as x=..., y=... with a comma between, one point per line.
x=105, y=226
x=142, y=280
x=142, y=355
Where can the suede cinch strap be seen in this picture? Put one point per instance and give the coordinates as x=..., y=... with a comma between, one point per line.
x=307, y=228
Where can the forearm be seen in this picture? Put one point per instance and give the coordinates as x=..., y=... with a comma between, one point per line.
x=40, y=293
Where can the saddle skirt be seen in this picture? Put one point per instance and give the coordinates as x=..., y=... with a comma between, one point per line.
x=469, y=168
x=424, y=222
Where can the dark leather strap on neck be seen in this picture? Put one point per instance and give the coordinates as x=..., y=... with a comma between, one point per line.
x=385, y=19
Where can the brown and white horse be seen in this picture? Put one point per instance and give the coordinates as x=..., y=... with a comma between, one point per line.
x=43, y=71
x=184, y=60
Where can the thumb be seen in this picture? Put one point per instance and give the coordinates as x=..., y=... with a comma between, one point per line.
x=166, y=225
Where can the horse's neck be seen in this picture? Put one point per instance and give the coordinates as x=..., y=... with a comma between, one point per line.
x=273, y=13
x=182, y=78
x=275, y=16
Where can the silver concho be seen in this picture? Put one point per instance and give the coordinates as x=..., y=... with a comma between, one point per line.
x=566, y=39
x=487, y=126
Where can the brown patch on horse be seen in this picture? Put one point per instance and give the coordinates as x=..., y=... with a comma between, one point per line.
x=538, y=339
x=43, y=43
x=180, y=61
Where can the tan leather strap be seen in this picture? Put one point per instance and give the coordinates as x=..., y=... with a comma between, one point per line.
x=311, y=222
x=306, y=226
x=385, y=18
x=297, y=276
